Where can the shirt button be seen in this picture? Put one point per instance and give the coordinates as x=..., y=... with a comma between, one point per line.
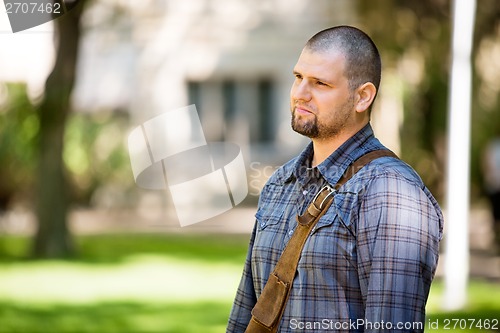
x=305, y=192
x=290, y=232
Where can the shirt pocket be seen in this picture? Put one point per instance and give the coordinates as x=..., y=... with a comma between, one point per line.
x=267, y=217
x=340, y=214
x=332, y=245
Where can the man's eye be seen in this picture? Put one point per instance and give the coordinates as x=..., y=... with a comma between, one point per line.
x=319, y=83
x=298, y=76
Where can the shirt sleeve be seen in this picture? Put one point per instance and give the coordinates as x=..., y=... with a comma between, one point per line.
x=245, y=296
x=399, y=231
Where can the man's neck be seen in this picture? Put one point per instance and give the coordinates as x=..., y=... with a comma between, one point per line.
x=324, y=147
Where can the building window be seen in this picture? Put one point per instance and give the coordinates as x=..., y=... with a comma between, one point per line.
x=235, y=110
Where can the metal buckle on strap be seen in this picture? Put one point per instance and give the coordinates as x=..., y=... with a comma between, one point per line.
x=328, y=188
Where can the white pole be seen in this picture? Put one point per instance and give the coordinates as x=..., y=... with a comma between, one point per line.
x=457, y=237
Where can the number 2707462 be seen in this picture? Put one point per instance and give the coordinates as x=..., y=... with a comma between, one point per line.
x=462, y=324
x=32, y=8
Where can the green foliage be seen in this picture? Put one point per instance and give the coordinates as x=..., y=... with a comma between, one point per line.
x=416, y=44
x=18, y=131
x=95, y=154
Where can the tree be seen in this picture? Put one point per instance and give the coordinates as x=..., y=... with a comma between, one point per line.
x=419, y=35
x=53, y=238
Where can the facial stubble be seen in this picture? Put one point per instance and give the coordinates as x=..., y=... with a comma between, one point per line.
x=314, y=129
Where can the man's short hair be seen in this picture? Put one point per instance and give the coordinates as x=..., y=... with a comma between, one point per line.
x=363, y=62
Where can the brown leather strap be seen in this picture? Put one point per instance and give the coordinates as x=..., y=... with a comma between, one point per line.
x=287, y=265
x=313, y=209
x=361, y=162
x=267, y=312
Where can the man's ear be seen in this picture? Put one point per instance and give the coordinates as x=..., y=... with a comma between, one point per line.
x=365, y=95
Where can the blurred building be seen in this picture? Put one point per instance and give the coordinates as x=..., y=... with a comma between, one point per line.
x=232, y=58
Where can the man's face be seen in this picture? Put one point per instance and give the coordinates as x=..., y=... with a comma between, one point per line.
x=321, y=103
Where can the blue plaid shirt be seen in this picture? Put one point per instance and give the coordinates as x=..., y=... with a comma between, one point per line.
x=369, y=262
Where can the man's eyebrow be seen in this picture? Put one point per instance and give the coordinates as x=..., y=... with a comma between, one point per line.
x=295, y=72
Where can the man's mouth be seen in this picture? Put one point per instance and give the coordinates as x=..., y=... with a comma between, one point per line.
x=302, y=110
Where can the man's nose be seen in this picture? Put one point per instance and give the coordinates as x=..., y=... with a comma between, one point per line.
x=301, y=91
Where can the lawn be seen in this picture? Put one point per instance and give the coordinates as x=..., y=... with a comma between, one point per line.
x=156, y=283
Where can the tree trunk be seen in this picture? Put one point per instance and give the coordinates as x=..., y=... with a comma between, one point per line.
x=53, y=239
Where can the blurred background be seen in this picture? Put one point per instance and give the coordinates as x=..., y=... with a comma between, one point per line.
x=83, y=249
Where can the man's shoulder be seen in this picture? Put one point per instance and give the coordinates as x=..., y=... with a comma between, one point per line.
x=391, y=180
x=387, y=169
x=396, y=167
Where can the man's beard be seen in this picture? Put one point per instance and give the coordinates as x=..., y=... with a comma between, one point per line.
x=307, y=128
x=313, y=129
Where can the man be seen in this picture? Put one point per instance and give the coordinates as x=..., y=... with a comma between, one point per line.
x=368, y=264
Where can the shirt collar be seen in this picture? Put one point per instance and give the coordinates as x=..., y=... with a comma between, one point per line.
x=334, y=165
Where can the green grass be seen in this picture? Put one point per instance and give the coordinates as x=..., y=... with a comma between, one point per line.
x=122, y=283
x=115, y=317
x=483, y=306
x=156, y=283
x=114, y=248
